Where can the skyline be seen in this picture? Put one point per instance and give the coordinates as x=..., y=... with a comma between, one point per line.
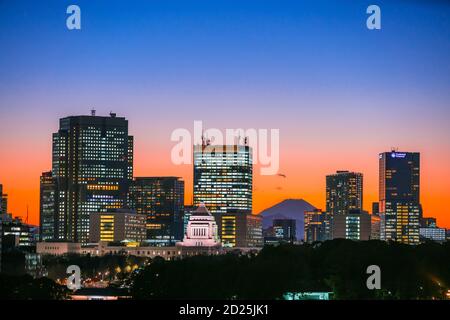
x=189, y=194
x=339, y=94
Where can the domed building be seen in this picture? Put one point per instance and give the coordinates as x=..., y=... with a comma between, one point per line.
x=201, y=229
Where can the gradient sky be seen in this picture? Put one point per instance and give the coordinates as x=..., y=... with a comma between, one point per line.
x=339, y=93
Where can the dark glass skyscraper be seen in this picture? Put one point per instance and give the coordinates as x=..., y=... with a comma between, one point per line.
x=47, y=207
x=344, y=192
x=400, y=196
x=161, y=199
x=223, y=177
x=3, y=201
x=93, y=167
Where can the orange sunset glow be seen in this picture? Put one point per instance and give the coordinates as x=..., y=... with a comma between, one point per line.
x=303, y=164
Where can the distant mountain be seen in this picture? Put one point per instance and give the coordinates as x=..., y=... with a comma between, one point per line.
x=288, y=209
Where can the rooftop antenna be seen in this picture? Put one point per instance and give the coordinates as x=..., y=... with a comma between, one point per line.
x=93, y=112
x=26, y=221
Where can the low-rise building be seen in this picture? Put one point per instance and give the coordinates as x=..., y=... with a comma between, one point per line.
x=433, y=233
x=375, y=226
x=201, y=230
x=118, y=225
x=317, y=226
x=240, y=229
x=353, y=225
x=103, y=248
x=58, y=248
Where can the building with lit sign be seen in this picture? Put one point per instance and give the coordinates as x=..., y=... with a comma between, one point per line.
x=399, y=196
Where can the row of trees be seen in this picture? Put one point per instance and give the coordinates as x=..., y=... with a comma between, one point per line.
x=26, y=288
x=338, y=266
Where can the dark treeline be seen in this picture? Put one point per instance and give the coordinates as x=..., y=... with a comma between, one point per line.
x=338, y=266
x=26, y=288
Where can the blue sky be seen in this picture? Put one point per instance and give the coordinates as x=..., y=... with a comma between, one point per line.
x=310, y=68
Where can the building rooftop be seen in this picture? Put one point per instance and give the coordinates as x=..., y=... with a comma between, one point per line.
x=201, y=211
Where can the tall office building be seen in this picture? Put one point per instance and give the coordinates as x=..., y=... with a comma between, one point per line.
x=47, y=207
x=3, y=214
x=344, y=192
x=161, y=199
x=399, y=195
x=223, y=177
x=92, y=167
x=3, y=201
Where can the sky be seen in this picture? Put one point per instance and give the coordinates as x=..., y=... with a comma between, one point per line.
x=339, y=93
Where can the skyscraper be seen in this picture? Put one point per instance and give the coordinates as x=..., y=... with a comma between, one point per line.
x=3, y=201
x=223, y=177
x=344, y=192
x=400, y=195
x=48, y=207
x=161, y=199
x=93, y=167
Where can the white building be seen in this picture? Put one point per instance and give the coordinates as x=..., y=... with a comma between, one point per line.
x=201, y=230
x=58, y=248
x=434, y=234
